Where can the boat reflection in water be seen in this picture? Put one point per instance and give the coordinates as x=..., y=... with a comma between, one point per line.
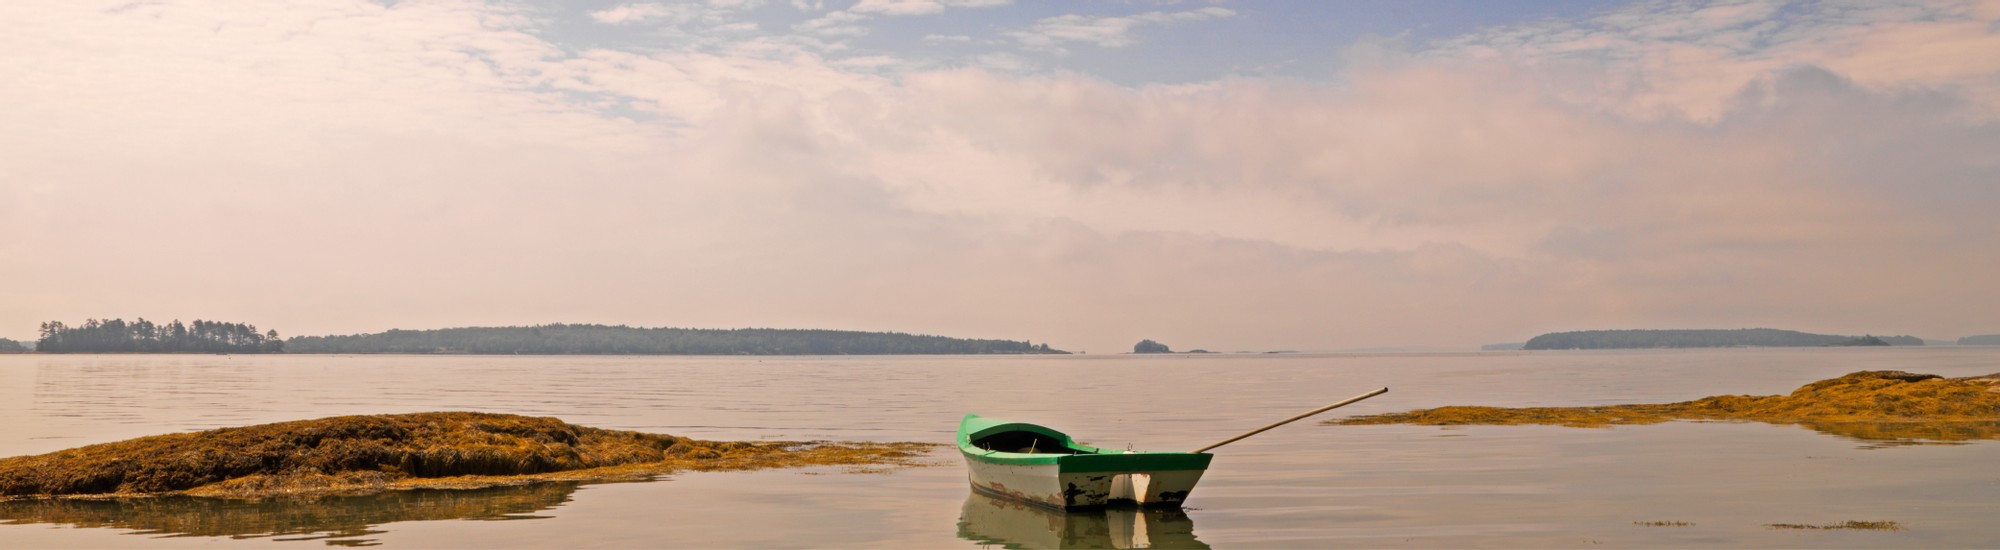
x=338, y=520
x=1012, y=524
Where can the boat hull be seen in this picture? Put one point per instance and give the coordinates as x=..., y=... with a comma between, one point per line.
x=1050, y=488
x=1066, y=475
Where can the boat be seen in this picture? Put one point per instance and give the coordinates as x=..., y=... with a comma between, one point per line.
x=1036, y=465
x=1040, y=466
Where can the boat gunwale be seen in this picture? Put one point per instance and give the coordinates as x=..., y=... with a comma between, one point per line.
x=1088, y=460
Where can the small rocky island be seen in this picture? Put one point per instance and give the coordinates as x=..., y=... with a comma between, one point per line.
x=438, y=450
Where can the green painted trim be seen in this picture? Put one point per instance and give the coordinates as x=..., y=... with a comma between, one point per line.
x=974, y=427
x=1135, y=462
x=1094, y=460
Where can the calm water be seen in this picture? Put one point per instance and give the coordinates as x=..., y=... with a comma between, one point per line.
x=1301, y=485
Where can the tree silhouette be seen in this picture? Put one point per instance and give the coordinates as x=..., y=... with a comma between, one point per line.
x=1149, y=346
x=142, y=336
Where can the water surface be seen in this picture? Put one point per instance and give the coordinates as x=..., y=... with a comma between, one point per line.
x=1302, y=485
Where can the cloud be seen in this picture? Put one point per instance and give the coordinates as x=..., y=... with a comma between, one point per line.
x=714, y=12
x=920, y=7
x=1691, y=58
x=1106, y=31
x=1003, y=62
x=343, y=166
x=633, y=13
x=868, y=62
x=837, y=23
x=846, y=23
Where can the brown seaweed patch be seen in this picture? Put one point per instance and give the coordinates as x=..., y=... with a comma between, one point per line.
x=1870, y=405
x=360, y=454
x=1850, y=524
x=1664, y=523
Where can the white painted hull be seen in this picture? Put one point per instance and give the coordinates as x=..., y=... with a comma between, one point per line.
x=1036, y=465
x=1046, y=485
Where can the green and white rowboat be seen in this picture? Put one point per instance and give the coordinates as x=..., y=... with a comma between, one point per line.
x=1044, y=467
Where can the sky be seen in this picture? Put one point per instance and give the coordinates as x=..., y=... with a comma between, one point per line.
x=1219, y=175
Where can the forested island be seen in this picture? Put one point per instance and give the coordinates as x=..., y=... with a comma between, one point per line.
x=142, y=336
x=1749, y=337
x=1981, y=340
x=562, y=339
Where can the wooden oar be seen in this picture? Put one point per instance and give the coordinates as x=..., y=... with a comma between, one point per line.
x=1347, y=402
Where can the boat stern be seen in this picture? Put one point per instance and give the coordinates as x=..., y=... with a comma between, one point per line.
x=1145, y=479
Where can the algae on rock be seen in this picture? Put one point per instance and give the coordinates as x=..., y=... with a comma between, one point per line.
x=1873, y=405
x=359, y=454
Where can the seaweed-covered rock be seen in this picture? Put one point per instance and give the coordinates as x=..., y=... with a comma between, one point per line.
x=381, y=451
x=1882, y=402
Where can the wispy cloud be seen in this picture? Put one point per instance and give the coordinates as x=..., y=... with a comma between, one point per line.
x=634, y=13
x=836, y=23
x=1106, y=31
x=920, y=7
x=1693, y=58
x=715, y=12
x=847, y=23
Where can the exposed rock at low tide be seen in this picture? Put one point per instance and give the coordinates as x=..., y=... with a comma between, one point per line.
x=362, y=454
x=1874, y=405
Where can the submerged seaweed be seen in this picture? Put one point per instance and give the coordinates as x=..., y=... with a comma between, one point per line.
x=360, y=454
x=1869, y=405
x=1850, y=524
x=1664, y=523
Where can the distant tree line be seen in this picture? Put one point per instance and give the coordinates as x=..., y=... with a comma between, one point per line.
x=565, y=339
x=10, y=346
x=1749, y=337
x=1981, y=340
x=1869, y=340
x=142, y=336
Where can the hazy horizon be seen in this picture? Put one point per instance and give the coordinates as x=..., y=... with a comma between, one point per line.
x=1218, y=175
x=1175, y=347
